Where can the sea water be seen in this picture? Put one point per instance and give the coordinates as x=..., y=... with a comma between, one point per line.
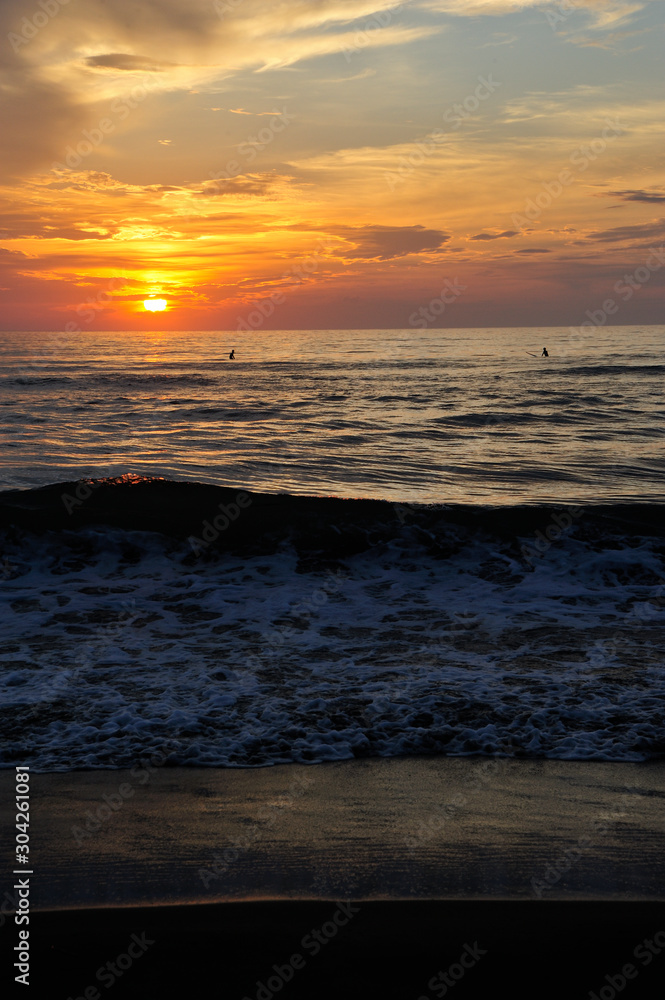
x=452, y=621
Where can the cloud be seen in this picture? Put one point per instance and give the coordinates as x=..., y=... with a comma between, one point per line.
x=94, y=53
x=363, y=75
x=603, y=13
x=12, y=256
x=16, y=226
x=501, y=38
x=127, y=63
x=479, y=8
x=257, y=185
x=534, y=250
x=196, y=36
x=608, y=41
x=598, y=18
x=388, y=242
x=509, y=233
x=243, y=111
x=649, y=197
x=580, y=101
x=647, y=230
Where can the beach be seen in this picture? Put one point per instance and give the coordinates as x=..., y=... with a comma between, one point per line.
x=227, y=871
x=332, y=500
x=402, y=737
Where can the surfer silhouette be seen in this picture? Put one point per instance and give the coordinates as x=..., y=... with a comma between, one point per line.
x=544, y=354
x=232, y=355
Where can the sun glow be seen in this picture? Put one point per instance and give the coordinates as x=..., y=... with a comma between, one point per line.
x=155, y=305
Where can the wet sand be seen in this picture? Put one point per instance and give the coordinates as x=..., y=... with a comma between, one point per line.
x=553, y=868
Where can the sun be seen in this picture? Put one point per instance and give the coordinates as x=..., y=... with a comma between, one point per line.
x=155, y=305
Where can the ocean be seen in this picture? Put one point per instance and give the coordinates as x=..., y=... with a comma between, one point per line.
x=339, y=544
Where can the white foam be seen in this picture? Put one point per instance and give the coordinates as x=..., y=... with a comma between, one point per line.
x=107, y=659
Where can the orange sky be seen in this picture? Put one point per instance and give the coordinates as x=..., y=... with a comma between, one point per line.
x=330, y=164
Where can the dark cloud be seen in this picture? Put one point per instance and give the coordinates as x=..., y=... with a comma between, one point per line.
x=509, y=233
x=387, y=242
x=244, y=184
x=73, y=233
x=649, y=197
x=45, y=225
x=12, y=256
x=128, y=63
x=647, y=230
x=534, y=250
x=40, y=232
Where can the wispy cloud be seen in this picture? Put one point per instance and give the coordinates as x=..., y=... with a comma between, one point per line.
x=127, y=63
x=621, y=234
x=602, y=13
x=648, y=197
x=508, y=234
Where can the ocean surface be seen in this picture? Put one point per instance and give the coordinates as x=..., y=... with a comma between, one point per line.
x=340, y=544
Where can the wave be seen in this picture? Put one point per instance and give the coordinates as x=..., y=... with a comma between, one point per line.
x=330, y=525
x=607, y=370
x=137, y=502
x=228, y=413
x=241, y=629
x=117, y=380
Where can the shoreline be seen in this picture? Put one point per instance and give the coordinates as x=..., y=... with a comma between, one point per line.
x=356, y=908
x=379, y=828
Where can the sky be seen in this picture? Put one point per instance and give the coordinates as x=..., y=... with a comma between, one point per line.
x=338, y=164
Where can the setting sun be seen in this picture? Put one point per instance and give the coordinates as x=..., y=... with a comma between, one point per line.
x=155, y=305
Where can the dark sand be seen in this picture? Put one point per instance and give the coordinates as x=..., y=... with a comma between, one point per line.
x=437, y=854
